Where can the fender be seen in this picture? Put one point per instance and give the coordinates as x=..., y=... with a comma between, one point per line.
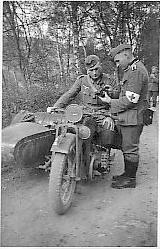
x=64, y=146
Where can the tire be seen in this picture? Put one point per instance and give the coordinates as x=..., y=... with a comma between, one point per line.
x=60, y=182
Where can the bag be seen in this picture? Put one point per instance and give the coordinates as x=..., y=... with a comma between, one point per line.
x=148, y=116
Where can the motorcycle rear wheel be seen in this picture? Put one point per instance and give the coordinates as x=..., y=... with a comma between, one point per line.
x=62, y=182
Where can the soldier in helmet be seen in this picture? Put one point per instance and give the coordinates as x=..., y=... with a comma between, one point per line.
x=129, y=109
x=153, y=86
x=86, y=86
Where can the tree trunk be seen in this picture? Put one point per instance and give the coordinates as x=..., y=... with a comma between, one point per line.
x=75, y=28
x=68, y=55
x=15, y=79
x=59, y=55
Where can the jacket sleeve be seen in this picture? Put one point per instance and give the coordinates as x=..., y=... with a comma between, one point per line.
x=134, y=86
x=69, y=95
x=116, y=92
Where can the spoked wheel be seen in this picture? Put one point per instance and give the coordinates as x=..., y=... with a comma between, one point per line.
x=62, y=181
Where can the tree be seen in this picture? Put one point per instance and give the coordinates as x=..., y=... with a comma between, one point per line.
x=48, y=42
x=149, y=40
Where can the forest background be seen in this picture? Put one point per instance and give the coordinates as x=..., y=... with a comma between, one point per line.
x=45, y=44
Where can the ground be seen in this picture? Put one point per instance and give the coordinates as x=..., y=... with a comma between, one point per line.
x=99, y=216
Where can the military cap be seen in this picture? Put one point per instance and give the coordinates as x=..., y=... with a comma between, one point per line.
x=91, y=61
x=118, y=49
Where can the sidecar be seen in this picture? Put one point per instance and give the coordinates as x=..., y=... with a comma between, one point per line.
x=29, y=138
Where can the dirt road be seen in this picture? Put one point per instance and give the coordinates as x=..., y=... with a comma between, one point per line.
x=99, y=216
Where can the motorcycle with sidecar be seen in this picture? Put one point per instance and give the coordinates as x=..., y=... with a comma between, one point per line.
x=64, y=142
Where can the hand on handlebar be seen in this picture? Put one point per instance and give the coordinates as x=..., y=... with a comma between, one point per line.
x=51, y=109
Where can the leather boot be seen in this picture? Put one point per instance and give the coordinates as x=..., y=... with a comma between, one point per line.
x=129, y=181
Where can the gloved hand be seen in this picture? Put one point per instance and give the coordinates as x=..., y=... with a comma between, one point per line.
x=109, y=123
x=105, y=99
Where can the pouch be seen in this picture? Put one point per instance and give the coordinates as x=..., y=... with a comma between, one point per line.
x=148, y=116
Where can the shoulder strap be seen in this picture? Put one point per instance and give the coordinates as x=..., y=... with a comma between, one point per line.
x=80, y=76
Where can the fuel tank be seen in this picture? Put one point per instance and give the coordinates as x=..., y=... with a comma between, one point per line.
x=26, y=143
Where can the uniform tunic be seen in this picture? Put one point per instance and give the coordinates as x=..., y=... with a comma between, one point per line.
x=153, y=83
x=83, y=88
x=133, y=84
x=153, y=88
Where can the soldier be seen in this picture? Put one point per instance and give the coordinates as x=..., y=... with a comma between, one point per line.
x=153, y=86
x=129, y=109
x=86, y=85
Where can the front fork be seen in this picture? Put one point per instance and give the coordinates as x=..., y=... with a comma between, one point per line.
x=63, y=142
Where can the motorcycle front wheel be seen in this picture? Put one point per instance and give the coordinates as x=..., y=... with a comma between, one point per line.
x=62, y=182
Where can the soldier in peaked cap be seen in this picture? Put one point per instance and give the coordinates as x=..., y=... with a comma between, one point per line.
x=129, y=109
x=86, y=86
x=118, y=49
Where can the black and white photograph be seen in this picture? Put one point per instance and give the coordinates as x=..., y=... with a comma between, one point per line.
x=80, y=123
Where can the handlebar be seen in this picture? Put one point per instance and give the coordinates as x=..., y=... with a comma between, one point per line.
x=88, y=112
x=58, y=110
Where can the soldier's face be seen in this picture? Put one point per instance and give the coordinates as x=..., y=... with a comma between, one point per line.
x=121, y=60
x=95, y=72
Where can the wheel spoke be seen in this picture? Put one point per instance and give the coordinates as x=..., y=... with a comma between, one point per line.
x=65, y=190
x=68, y=174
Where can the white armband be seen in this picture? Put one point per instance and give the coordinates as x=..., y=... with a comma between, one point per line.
x=132, y=97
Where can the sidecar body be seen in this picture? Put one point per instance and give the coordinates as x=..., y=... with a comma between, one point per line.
x=28, y=142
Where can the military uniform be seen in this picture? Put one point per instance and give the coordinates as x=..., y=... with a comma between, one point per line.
x=153, y=88
x=129, y=109
x=86, y=87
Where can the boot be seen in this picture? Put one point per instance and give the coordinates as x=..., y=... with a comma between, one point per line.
x=129, y=181
x=117, y=177
x=124, y=174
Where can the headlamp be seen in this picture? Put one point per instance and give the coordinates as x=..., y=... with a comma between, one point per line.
x=73, y=113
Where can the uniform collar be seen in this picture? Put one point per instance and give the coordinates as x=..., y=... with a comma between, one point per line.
x=98, y=81
x=135, y=60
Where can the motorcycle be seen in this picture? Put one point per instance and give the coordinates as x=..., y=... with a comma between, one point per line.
x=64, y=143
x=75, y=154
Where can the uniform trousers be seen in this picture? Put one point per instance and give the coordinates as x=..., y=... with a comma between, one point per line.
x=125, y=138
x=130, y=138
